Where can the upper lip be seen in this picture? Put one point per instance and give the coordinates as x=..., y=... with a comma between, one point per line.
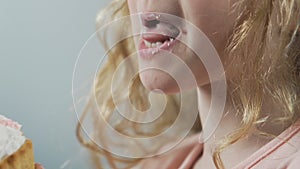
x=157, y=28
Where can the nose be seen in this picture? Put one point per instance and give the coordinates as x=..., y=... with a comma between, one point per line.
x=150, y=20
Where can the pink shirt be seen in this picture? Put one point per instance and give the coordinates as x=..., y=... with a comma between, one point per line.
x=280, y=153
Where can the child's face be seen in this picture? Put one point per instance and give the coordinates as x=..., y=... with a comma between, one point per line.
x=212, y=17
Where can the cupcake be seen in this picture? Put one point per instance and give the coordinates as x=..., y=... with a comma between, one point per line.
x=16, y=151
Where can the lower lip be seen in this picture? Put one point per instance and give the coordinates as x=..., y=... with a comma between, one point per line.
x=148, y=53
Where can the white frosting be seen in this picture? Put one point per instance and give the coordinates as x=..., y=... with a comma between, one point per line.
x=8, y=122
x=11, y=140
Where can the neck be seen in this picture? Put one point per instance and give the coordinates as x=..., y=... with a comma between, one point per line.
x=227, y=124
x=230, y=122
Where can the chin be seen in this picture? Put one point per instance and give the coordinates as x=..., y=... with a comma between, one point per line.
x=156, y=80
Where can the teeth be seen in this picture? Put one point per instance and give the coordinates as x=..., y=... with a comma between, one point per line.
x=152, y=45
x=148, y=44
x=156, y=44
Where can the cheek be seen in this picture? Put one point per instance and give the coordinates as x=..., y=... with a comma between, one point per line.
x=212, y=17
x=132, y=6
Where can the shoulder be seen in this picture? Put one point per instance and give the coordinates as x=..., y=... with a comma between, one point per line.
x=281, y=153
x=287, y=149
x=292, y=162
x=175, y=157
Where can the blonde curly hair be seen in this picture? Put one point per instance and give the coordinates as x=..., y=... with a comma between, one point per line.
x=264, y=51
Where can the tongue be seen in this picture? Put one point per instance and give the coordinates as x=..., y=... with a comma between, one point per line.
x=152, y=38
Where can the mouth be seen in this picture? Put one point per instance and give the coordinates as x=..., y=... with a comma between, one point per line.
x=157, y=35
x=157, y=40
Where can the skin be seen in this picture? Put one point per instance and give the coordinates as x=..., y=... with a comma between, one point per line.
x=214, y=18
